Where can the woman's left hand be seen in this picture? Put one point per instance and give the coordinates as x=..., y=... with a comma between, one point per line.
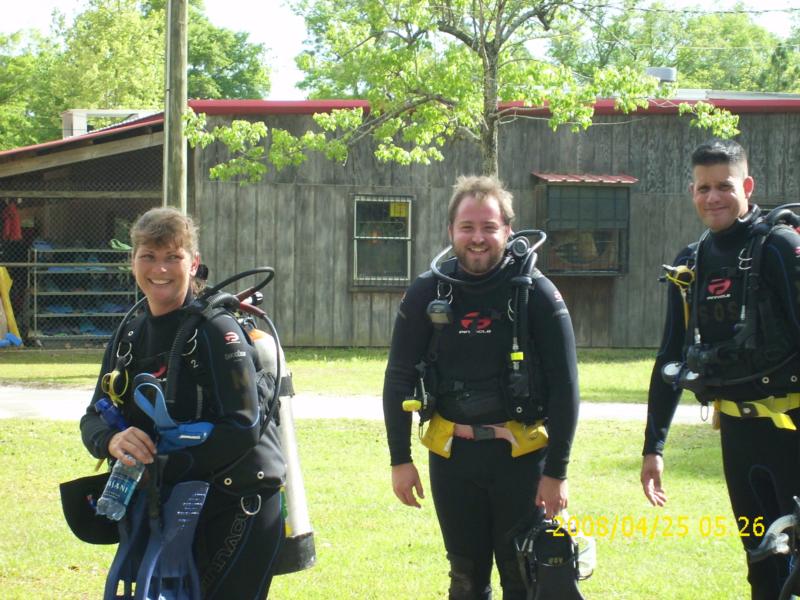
x=131, y=445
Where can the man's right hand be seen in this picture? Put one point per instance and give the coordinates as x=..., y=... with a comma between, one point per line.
x=405, y=481
x=652, y=469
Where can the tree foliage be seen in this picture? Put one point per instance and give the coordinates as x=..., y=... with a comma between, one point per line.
x=112, y=56
x=222, y=63
x=433, y=70
x=719, y=51
x=19, y=66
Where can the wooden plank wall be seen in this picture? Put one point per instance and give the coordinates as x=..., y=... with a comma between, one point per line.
x=299, y=220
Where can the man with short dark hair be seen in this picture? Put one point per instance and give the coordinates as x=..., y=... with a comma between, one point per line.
x=491, y=464
x=732, y=337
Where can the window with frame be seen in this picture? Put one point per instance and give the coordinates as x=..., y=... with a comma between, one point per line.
x=587, y=229
x=381, y=240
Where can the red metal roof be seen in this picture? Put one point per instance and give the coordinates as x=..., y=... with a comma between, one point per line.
x=767, y=104
x=273, y=107
x=209, y=107
x=86, y=138
x=764, y=104
x=661, y=107
x=585, y=178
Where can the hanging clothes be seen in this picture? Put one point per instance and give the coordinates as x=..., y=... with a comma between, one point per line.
x=12, y=228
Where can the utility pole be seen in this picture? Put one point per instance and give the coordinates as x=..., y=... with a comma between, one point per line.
x=174, y=186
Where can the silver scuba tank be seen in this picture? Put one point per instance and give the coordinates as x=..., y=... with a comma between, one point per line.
x=297, y=552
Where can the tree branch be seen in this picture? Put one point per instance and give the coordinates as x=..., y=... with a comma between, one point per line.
x=372, y=124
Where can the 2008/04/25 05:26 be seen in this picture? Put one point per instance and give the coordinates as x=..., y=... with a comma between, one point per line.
x=665, y=526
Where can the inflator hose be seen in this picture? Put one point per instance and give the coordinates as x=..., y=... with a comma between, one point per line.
x=782, y=213
x=506, y=259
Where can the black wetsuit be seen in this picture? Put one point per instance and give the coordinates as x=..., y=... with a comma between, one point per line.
x=761, y=462
x=481, y=493
x=234, y=552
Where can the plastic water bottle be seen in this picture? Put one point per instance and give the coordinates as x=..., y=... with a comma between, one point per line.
x=587, y=555
x=586, y=547
x=110, y=414
x=119, y=489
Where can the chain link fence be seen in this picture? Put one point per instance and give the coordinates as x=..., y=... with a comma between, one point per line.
x=65, y=246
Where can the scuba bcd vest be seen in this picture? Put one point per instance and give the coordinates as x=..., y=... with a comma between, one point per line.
x=243, y=475
x=755, y=357
x=521, y=384
x=205, y=306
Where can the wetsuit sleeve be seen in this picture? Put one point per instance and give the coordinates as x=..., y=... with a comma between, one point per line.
x=553, y=338
x=232, y=395
x=410, y=336
x=95, y=433
x=781, y=271
x=663, y=398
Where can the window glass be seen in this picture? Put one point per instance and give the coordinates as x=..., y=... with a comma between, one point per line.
x=587, y=229
x=382, y=240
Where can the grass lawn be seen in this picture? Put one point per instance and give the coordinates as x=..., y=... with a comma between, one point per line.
x=369, y=546
x=605, y=375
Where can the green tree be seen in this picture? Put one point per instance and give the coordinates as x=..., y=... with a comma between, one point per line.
x=18, y=64
x=782, y=72
x=222, y=63
x=618, y=36
x=433, y=70
x=112, y=56
x=721, y=51
x=724, y=52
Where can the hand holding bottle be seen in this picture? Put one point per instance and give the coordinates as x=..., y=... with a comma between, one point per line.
x=132, y=445
x=132, y=448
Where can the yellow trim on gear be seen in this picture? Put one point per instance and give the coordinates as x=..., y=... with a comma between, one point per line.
x=438, y=437
x=683, y=277
x=772, y=407
x=529, y=437
x=5, y=291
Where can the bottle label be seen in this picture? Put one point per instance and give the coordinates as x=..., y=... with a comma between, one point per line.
x=119, y=489
x=122, y=482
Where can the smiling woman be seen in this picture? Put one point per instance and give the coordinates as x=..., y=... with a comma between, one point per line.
x=165, y=258
x=209, y=382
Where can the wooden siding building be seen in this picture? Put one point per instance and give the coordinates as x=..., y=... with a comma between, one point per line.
x=325, y=227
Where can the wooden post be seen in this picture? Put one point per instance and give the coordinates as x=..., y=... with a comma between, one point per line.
x=174, y=104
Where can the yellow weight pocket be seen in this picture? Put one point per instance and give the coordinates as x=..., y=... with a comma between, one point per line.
x=438, y=436
x=530, y=438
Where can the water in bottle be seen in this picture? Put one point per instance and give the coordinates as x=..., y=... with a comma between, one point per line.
x=119, y=489
x=587, y=555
